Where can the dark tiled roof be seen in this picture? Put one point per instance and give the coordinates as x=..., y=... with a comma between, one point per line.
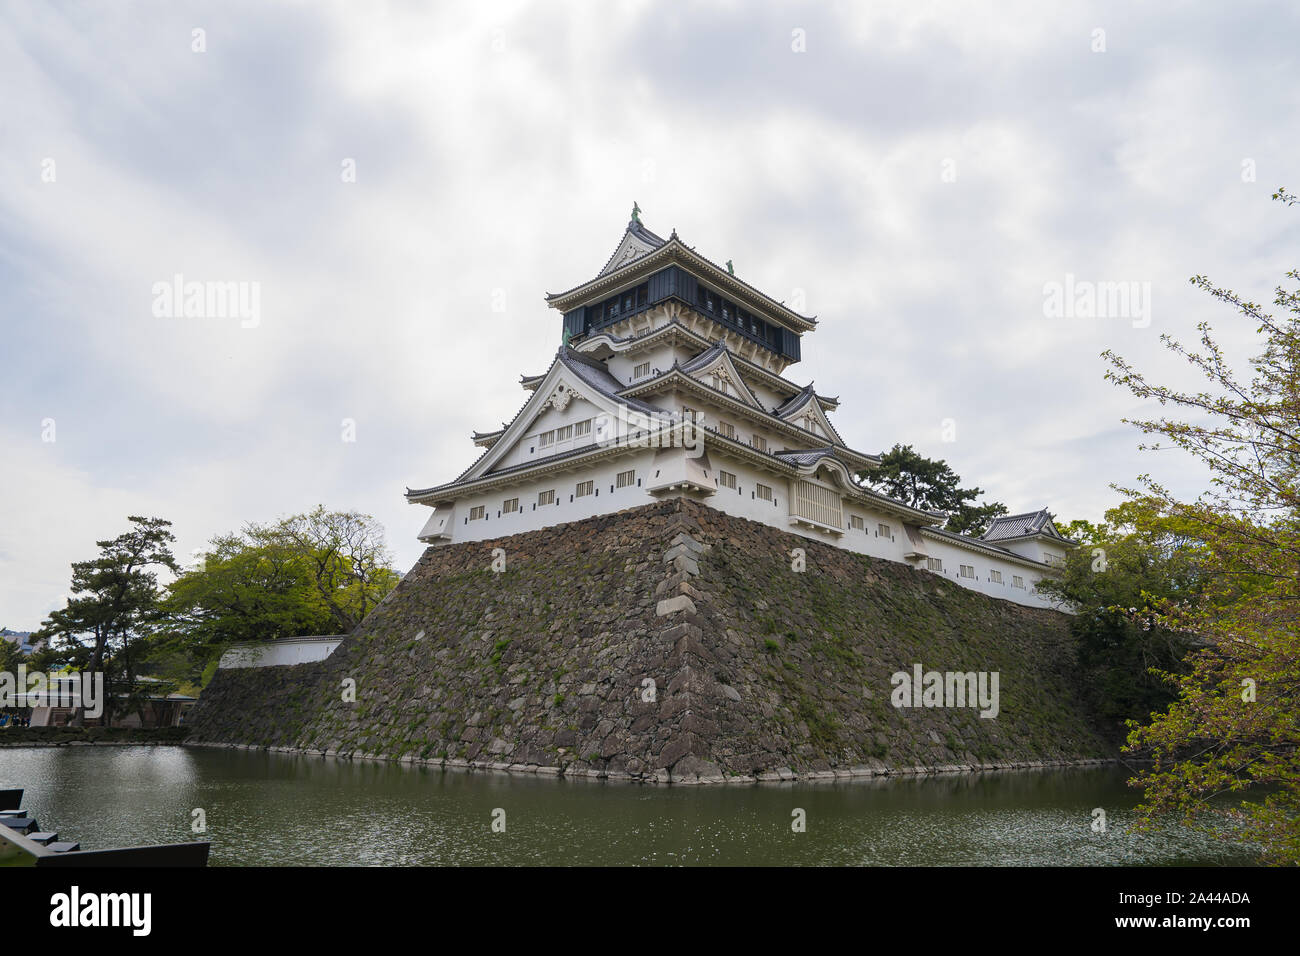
x=806, y=457
x=704, y=358
x=595, y=374
x=1019, y=526
x=798, y=401
x=980, y=544
x=636, y=229
x=739, y=361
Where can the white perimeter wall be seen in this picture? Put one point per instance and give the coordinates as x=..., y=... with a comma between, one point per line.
x=286, y=651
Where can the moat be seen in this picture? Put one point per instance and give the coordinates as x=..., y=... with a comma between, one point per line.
x=276, y=809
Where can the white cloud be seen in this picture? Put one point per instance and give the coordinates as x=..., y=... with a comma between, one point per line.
x=498, y=149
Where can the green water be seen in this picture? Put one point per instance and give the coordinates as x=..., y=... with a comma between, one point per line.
x=275, y=809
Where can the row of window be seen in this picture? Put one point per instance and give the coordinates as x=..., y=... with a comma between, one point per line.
x=621, y=304
x=728, y=313
x=624, y=479
x=727, y=479
x=968, y=571
x=564, y=433
x=883, y=530
x=726, y=429
x=762, y=492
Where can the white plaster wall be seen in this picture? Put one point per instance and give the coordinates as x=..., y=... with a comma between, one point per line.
x=742, y=502
x=622, y=364
x=275, y=653
x=766, y=396
x=531, y=516
x=527, y=448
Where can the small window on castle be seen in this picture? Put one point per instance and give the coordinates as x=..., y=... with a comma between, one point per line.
x=1017, y=581
x=584, y=488
x=934, y=564
x=546, y=497
x=762, y=492
x=581, y=428
x=759, y=442
x=726, y=429
x=689, y=414
x=995, y=577
x=726, y=479
x=625, y=478
x=509, y=506
x=884, y=530
x=546, y=439
x=476, y=513
x=968, y=570
x=564, y=434
x=641, y=371
x=855, y=522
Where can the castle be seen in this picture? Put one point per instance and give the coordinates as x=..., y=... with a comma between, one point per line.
x=670, y=383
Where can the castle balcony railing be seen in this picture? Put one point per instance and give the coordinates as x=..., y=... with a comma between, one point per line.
x=817, y=505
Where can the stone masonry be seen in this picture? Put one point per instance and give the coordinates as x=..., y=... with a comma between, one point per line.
x=667, y=643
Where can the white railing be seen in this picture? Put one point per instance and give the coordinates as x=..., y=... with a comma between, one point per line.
x=818, y=503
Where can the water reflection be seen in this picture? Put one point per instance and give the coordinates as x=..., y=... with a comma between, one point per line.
x=276, y=809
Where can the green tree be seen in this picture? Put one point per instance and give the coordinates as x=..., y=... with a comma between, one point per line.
x=908, y=476
x=315, y=573
x=1230, y=744
x=347, y=558
x=1114, y=581
x=10, y=656
x=246, y=587
x=115, y=599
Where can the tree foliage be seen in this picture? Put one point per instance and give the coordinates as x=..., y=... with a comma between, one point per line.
x=908, y=476
x=1230, y=743
x=315, y=573
x=1115, y=582
x=115, y=599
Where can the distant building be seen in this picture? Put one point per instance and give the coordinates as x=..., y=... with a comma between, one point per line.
x=158, y=709
x=23, y=639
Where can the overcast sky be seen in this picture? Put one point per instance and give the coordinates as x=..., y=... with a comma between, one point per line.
x=917, y=172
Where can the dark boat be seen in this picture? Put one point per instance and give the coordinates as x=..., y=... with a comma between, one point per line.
x=24, y=843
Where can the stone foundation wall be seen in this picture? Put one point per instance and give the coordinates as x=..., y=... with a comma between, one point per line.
x=669, y=642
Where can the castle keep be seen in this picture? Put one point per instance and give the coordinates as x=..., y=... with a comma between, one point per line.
x=649, y=623
x=671, y=383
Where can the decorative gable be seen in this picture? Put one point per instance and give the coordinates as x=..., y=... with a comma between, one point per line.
x=559, y=398
x=638, y=242
x=720, y=374
x=804, y=411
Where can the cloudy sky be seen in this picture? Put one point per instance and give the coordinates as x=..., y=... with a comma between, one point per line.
x=404, y=183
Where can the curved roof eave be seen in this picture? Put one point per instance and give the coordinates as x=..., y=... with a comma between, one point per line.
x=674, y=250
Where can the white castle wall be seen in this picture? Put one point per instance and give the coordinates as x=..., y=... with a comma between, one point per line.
x=742, y=502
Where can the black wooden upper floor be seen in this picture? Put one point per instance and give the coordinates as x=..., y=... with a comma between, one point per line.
x=675, y=283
